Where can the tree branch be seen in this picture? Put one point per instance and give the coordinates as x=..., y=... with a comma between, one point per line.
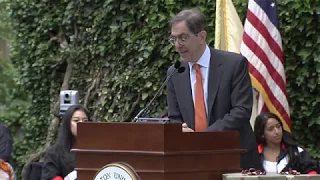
x=134, y=104
x=90, y=89
x=54, y=124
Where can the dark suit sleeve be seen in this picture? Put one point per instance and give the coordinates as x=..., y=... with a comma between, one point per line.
x=51, y=166
x=174, y=113
x=5, y=143
x=241, y=100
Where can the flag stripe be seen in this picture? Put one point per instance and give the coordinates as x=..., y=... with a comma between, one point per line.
x=253, y=33
x=262, y=46
x=271, y=107
x=268, y=92
x=271, y=88
x=264, y=32
x=253, y=46
x=263, y=17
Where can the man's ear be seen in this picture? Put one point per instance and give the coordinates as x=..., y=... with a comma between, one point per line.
x=203, y=36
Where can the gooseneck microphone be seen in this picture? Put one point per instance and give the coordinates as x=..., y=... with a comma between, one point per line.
x=177, y=69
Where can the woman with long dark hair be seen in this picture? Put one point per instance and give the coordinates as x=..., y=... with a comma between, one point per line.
x=59, y=162
x=278, y=148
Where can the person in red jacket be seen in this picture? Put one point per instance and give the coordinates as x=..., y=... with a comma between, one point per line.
x=278, y=149
x=59, y=162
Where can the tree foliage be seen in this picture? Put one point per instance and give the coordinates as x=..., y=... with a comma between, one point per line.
x=115, y=53
x=5, y=27
x=300, y=28
x=14, y=100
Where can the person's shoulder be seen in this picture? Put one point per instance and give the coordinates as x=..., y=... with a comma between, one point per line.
x=227, y=56
x=300, y=149
x=5, y=133
x=4, y=128
x=53, y=150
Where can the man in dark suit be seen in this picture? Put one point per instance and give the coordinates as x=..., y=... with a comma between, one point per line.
x=5, y=143
x=214, y=93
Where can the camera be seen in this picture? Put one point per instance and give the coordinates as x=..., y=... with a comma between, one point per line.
x=67, y=99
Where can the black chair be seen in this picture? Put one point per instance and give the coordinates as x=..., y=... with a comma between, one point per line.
x=33, y=171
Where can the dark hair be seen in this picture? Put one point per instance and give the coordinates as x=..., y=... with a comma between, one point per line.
x=66, y=140
x=194, y=19
x=287, y=139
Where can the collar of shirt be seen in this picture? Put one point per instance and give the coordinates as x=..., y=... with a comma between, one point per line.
x=204, y=60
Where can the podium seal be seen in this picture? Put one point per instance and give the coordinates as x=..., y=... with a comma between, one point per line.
x=116, y=171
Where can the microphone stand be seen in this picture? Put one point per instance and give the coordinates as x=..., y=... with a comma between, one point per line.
x=143, y=112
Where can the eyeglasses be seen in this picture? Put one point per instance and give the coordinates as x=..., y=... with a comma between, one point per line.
x=182, y=39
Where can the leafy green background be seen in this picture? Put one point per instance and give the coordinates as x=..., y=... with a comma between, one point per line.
x=119, y=53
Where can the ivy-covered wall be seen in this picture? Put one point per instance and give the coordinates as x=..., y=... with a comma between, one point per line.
x=116, y=54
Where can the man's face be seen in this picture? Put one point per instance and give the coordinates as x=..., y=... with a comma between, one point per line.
x=187, y=44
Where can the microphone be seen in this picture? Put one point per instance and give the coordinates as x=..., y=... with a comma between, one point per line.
x=177, y=69
x=181, y=69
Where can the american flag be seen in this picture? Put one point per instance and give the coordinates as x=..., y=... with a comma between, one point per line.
x=262, y=46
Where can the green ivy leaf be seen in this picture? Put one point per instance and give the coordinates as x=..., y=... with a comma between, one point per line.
x=305, y=53
x=144, y=96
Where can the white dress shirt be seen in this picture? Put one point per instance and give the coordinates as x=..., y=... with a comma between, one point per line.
x=204, y=63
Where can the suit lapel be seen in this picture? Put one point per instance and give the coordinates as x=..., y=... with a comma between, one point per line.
x=186, y=94
x=215, y=72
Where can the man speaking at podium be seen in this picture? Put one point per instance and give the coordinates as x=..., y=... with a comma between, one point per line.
x=214, y=93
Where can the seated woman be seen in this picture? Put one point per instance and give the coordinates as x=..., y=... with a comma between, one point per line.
x=59, y=162
x=278, y=149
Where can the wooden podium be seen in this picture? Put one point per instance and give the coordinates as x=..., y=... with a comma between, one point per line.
x=156, y=151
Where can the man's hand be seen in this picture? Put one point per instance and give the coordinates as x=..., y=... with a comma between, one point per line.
x=185, y=128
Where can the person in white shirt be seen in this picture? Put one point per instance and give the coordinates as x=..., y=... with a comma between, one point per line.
x=278, y=149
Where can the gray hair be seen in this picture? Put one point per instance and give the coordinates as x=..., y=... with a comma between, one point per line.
x=194, y=19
